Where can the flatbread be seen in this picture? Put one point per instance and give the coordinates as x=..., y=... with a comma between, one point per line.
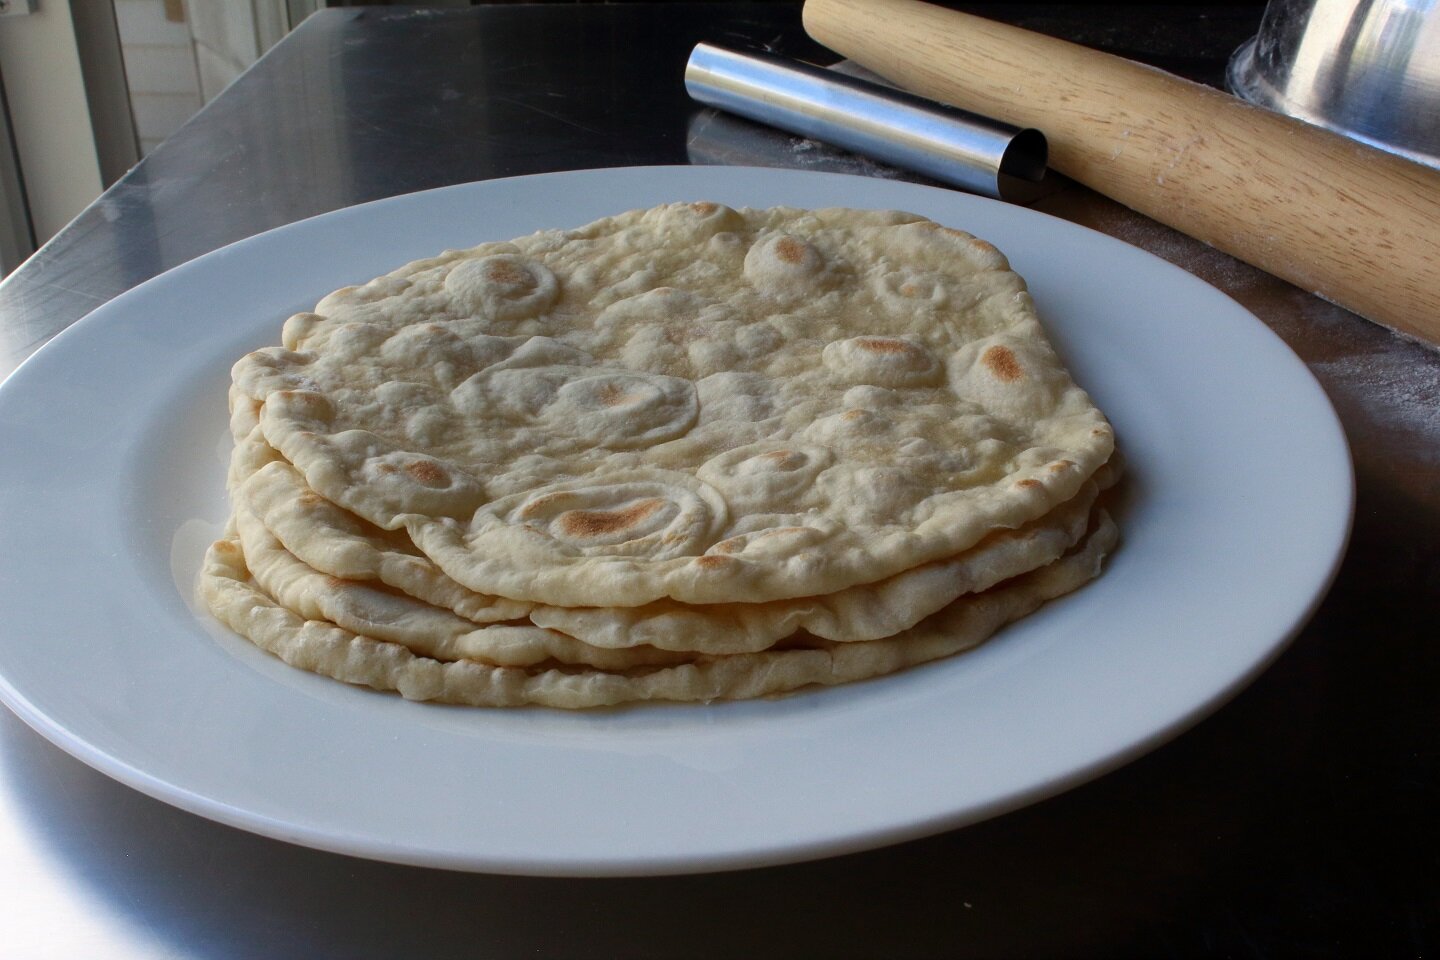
x=425, y=629
x=690, y=402
x=353, y=550
x=340, y=544
x=330, y=650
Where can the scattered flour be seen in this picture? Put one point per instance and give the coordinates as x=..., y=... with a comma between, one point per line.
x=1397, y=390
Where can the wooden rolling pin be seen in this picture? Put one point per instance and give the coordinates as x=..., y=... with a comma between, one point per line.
x=1350, y=223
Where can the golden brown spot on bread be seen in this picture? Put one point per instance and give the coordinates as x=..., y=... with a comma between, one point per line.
x=784, y=459
x=790, y=250
x=852, y=415
x=597, y=523
x=1029, y=484
x=1002, y=363
x=308, y=499
x=225, y=546
x=711, y=561
x=505, y=272
x=1060, y=466
x=427, y=473
x=733, y=545
x=539, y=504
x=679, y=336
x=611, y=394
x=882, y=345
x=704, y=207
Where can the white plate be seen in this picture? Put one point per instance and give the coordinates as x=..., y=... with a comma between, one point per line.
x=112, y=446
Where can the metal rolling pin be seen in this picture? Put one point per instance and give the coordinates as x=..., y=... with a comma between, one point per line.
x=944, y=143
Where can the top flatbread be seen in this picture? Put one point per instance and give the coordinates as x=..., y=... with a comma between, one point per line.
x=693, y=402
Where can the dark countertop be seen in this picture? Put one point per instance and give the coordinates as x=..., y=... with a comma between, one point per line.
x=1296, y=821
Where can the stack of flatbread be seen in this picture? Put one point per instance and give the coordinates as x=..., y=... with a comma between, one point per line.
x=685, y=453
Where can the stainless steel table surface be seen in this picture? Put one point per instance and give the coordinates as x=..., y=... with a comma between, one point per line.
x=1299, y=820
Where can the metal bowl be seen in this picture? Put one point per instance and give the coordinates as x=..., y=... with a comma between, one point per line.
x=1369, y=69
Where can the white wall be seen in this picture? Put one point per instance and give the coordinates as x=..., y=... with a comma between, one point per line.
x=178, y=53
x=226, y=41
x=49, y=114
x=159, y=67
x=181, y=53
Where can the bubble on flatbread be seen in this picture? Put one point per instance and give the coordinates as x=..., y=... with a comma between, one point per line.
x=757, y=474
x=640, y=518
x=1010, y=376
x=503, y=287
x=883, y=361
x=616, y=409
x=910, y=290
x=785, y=265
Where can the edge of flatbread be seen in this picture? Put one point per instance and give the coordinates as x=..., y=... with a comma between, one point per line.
x=332, y=651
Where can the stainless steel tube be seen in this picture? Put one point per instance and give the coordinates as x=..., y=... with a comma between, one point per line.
x=953, y=146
